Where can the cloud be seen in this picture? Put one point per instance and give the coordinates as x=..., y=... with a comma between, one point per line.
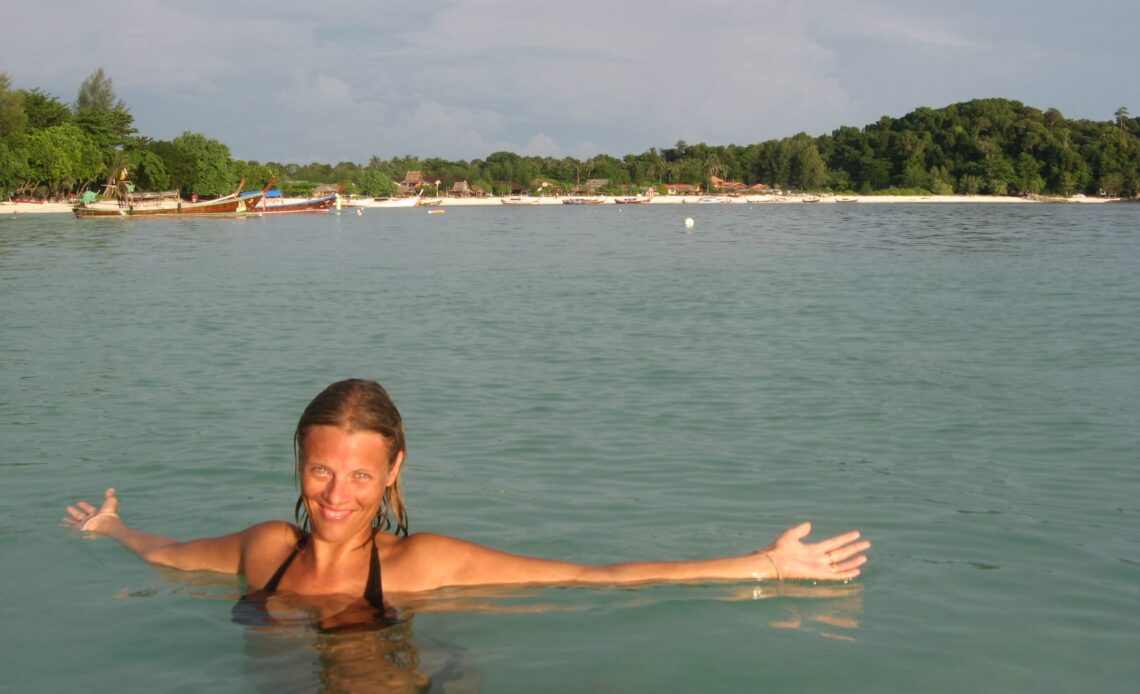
x=344, y=79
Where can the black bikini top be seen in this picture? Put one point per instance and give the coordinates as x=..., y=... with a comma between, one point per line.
x=251, y=609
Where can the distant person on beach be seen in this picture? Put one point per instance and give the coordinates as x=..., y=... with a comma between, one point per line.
x=351, y=519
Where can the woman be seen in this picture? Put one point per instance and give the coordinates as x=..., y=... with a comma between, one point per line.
x=349, y=448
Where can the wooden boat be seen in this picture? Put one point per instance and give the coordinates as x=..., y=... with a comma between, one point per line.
x=321, y=204
x=167, y=204
x=391, y=202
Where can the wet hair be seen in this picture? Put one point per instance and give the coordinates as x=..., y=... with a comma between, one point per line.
x=357, y=405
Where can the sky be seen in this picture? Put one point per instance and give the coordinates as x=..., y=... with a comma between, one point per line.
x=345, y=80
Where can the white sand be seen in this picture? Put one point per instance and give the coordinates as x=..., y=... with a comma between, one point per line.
x=65, y=208
x=7, y=207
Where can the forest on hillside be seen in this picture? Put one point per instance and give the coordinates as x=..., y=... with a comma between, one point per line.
x=51, y=148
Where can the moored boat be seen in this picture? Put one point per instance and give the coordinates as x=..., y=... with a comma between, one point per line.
x=167, y=204
x=270, y=206
x=321, y=204
x=413, y=201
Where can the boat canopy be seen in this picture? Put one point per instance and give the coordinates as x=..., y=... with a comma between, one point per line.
x=271, y=193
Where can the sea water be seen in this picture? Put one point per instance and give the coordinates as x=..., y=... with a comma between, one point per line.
x=597, y=384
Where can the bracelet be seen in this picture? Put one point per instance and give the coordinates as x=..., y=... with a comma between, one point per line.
x=87, y=522
x=773, y=562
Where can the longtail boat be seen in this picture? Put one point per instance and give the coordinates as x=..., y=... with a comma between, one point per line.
x=321, y=204
x=266, y=206
x=168, y=204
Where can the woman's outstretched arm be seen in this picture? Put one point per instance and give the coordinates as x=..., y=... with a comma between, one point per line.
x=427, y=561
x=221, y=554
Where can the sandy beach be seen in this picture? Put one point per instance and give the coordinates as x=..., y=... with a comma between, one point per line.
x=18, y=208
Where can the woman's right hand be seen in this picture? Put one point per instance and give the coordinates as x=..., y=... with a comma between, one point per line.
x=834, y=559
x=83, y=516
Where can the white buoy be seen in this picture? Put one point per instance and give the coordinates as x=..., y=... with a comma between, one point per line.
x=689, y=222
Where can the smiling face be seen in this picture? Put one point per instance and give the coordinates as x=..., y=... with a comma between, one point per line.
x=344, y=475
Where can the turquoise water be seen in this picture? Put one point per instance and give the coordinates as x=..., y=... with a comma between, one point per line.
x=960, y=382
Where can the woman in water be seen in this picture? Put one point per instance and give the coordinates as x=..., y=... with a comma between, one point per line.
x=349, y=448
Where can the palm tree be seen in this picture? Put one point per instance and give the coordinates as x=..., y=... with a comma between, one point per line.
x=117, y=174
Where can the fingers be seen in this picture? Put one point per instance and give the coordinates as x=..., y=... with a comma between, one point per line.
x=796, y=533
x=847, y=551
x=110, y=501
x=833, y=543
x=81, y=514
x=843, y=563
x=79, y=511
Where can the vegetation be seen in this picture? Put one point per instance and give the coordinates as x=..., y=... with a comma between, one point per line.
x=985, y=146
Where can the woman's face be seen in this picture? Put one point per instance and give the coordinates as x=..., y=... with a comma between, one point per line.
x=343, y=478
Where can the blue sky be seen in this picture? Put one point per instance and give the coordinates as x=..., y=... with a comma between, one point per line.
x=338, y=80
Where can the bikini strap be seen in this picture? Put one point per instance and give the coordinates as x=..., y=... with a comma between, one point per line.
x=374, y=591
x=271, y=586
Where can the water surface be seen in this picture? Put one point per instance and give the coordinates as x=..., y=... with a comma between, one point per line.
x=961, y=382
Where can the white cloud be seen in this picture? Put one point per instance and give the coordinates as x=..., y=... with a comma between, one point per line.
x=344, y=80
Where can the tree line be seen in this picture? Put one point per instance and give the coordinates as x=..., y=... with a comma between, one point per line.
x=985, y=146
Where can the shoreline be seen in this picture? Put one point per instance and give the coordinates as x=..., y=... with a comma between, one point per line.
x=20, y=208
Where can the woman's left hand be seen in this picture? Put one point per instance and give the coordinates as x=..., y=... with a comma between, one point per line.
x=834, y=559
x=83, y=516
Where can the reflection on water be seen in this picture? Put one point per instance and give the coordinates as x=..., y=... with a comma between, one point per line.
x=288, y=657
x=296, y=655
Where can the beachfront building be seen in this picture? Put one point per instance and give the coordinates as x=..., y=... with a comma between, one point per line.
x=462, y=189
x=763, y=189
x=593, y=186
x=731, y=187
x=413, y=181
x=682, y=189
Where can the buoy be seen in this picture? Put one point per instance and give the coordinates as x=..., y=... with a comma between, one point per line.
x=689, y=222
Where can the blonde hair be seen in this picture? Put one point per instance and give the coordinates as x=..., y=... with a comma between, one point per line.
x=357, y=405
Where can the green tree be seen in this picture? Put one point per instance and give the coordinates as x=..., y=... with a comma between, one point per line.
x=14, y=170
x=13, y=118
x=101, y=113
x=205, y=167
x=148, y=170
x=1028, y=176
x=44, y=110
x=374, y=182
x=97, y=93
x=807, y=168
x=915, y=175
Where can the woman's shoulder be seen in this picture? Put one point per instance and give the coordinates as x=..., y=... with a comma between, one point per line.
x=412, y=543
x=265, y=546
x=273, y=533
